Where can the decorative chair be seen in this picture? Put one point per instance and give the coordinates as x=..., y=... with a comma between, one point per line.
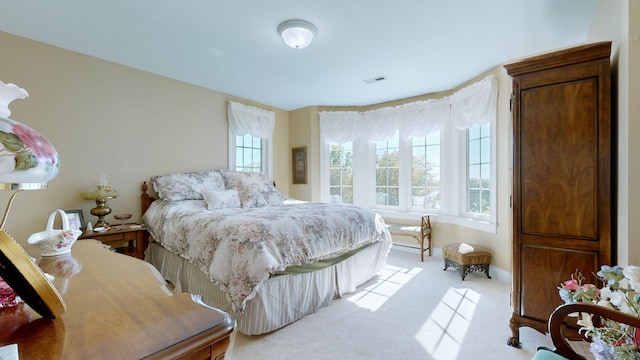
x=421, y=233
x=563, y=349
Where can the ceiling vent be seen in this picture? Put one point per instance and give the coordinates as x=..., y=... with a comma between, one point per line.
x=375, y=79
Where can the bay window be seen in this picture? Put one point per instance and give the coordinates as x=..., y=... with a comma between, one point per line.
x=435, y=156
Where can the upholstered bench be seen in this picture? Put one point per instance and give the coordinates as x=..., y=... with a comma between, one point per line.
x=421, y=233
x=466, y=258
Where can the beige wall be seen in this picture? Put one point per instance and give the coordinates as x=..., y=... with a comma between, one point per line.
x=103, y=117
x=302, y=135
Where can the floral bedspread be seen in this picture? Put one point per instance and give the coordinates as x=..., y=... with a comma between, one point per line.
x=239, y=247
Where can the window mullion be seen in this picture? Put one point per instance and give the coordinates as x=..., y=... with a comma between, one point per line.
x=406, y=170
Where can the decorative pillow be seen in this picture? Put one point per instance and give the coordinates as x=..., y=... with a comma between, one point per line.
x=221, y=199
x=252, y=187
x=188, y=185
x=274, y=197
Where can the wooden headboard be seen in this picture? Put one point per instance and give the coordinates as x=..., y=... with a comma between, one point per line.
x=145, y=198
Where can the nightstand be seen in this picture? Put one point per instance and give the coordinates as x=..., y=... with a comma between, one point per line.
x=131, y=242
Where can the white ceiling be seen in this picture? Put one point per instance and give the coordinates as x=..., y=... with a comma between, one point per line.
x=420, y=46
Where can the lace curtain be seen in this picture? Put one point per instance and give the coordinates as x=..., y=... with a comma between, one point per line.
x=381, y=124
x=339, y=126
x=420, y=118
x=245, y=119
x=474, y=104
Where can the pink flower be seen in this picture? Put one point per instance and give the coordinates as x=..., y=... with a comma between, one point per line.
x=587, y=287
x=571, y=285
x=37, y=143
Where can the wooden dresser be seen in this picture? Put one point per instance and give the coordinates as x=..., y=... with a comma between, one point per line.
x=563, y=165
x=118, y=307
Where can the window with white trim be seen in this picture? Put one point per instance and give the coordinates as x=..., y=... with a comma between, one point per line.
x=248, y=153
x=478, y=174
x=388, y=172
x=425, y=172
x=436, y=156
x=341, y=173
x=250, y=134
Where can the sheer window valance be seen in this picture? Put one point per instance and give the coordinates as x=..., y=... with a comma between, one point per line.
x=474, y=104
x=420, y=118
x=245, y=119
x=339, y=126
x=381, y=124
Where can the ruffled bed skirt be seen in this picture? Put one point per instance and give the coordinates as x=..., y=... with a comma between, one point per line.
x=283, y=299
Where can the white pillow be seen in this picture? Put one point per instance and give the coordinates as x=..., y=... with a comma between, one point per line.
x=221, y=199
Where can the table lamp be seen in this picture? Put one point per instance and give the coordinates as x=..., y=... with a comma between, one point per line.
x=28, y=162
x=100, y=193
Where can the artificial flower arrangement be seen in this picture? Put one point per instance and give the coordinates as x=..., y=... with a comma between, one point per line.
x=620, y=291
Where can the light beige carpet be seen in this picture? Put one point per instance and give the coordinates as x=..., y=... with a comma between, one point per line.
x=412, y=310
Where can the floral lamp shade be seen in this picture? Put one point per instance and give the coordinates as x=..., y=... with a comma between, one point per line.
x=28, y=160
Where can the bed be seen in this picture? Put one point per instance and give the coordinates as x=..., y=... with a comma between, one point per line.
x=265, y=258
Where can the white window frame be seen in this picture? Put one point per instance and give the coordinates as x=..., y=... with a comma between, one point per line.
x=325, y=192
x=406, y=173
x=464, y=184
x=452, y=181
x=266, y=158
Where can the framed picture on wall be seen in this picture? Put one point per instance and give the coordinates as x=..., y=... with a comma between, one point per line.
x=76, y=219
x=299, y=165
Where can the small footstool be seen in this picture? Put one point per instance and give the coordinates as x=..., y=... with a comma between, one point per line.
x=466, y=258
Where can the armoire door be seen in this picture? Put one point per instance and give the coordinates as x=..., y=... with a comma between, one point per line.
x=563, y=161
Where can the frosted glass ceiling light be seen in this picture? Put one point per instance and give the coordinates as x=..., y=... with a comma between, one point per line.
x=297, y=33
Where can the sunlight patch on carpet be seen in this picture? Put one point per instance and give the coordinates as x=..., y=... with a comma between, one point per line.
x=389, y=281
x=443, y=332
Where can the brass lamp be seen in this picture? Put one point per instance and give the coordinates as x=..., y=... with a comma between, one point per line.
x=100, y=194
x=28, y=162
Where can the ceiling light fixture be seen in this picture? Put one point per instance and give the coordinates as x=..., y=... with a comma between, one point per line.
x=297, y=34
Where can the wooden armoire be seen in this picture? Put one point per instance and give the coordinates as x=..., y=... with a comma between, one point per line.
x=563, y=162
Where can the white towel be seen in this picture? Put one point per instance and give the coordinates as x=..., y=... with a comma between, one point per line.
x=465, y=248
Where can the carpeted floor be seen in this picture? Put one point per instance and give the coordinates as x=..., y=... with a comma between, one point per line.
x=412, y=310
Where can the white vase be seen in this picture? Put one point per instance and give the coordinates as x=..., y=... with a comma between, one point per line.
x=26, y=157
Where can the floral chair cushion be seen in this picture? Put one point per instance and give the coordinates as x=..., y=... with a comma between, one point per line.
x=187, y=185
